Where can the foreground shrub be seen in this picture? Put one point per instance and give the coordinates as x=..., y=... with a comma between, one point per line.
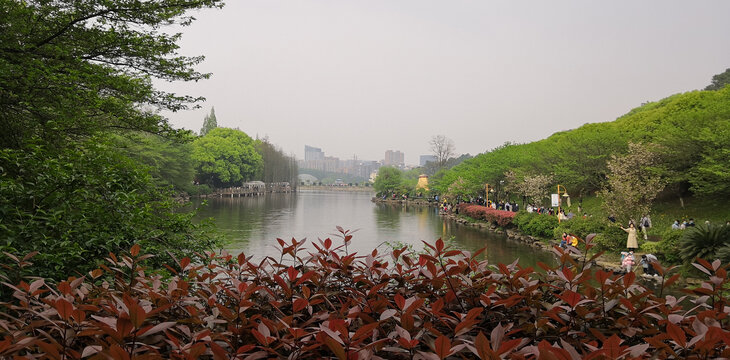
x=328, y=303
x=498, y=217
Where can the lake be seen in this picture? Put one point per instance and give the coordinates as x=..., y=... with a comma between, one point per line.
x=252, y=224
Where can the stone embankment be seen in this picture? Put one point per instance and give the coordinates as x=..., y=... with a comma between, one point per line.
x=516, y=235
x=401, y=201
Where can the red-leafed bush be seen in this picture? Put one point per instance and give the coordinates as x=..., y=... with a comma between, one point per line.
x=327, y=303
x=499, y=217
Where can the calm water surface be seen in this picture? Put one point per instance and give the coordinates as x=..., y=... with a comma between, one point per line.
x=252, y=225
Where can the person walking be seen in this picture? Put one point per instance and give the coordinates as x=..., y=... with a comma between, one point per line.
x=645, y=225
x=631, y=242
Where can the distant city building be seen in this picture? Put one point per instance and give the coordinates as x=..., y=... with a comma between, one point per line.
x=394, y=158
x=315, y=159
x=426, y=158
x=312, y=153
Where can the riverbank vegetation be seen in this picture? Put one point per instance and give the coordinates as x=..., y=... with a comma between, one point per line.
x=324, y=302
x=88, y=165
x=668, y=159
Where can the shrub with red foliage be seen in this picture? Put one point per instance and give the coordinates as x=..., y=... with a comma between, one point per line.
x=499, y=217
x=328, y=303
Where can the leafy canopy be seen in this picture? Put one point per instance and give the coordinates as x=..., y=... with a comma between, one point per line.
x=226, y=157
x=71, y=69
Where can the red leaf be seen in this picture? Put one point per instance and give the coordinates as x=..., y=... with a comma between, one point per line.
x=134, y=250
x=612, y=347
x=327, y=243
x=184, y=263
x=335, y=347
x=292, y=272
x=570, y=297
x=218, y=352
x=484, y=350
x=677, y=334
x=568, y=273
x=300, y=304
x=443, y=347
x=64, y=309
x=400, y=301
x=439, y=246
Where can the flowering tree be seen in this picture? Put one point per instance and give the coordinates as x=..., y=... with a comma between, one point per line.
x=631, y=187
x=534, y=187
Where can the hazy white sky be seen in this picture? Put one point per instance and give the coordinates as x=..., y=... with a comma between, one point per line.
x=362, y=77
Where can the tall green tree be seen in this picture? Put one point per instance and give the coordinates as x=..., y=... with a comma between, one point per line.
x=209, y=123
x=277, y=166
x=72, y=74
x=69, y=69
x=226, y=157
x=719, y=81
x=388, y=181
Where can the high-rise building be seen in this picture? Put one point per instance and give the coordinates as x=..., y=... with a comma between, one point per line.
x=312, y=153
x=426, y=158
x=394, y=158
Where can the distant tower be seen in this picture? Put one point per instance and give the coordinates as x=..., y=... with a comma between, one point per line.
x=422, y=182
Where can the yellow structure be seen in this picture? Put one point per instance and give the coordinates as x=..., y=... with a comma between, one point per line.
x=422, y=182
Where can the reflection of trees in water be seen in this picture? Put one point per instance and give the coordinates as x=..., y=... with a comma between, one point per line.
x=243, y=215
x=387, y=216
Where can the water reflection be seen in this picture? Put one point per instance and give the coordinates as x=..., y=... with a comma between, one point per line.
x=253, y=224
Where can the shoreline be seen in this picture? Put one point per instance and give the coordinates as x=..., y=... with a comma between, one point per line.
x=516, y=235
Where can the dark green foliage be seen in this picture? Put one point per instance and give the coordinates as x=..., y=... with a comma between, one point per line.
x=388, y=181
x=704, y=241
x=540, y=225
x=76, y=206
x=209, y=123
x=169, y=162
x=70, y=69
x=612, y=238
x=719, y=81
x=670, y=246
x=580, y=227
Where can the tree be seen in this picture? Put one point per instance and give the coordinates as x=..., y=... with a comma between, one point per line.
x=388, y=181
x=168, y=162
x=226, y=157
x=277, y=166
x=533, y=187
x=72, y=69
x=631, y=187
x=209, y=123
x=719, y=81
x=442, y=148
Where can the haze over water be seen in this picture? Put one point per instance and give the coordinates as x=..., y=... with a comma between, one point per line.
x=252, y=224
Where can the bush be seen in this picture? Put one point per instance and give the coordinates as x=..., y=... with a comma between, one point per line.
x=580, y=227
x=612, y=238
x=669, y=247
x=499, y=217
x=443, y=303
x=540, y=225
x=76, y=205
x=704, y=240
